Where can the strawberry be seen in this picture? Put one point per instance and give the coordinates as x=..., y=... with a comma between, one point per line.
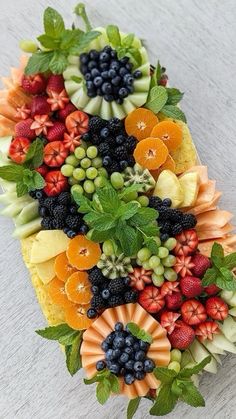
x=43, y=170
x=182, y=336
x=191, y=286
x=77, y=122
x=151, y=299
x=23, y=129
x=206, y=330
x=41, y=124
x=23, y=112
x=55, y=154
x=63, y=113
x=56, y=132
x=34, y=84
x=183, y=265
x=168, y=319
x=174, y=301
x=40, y=106
x=58, y=100
x=71, y=141
x=139, y=278
x=55, y=84
x=187, y=243
x=163, y=80
x=55, y=183
x=169, y=287
x=216, y=308
x=201, y=264
x=193, y=312
x=152, y=393
x=212, y=289
x=18, y=149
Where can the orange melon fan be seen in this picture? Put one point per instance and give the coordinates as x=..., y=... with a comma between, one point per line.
x=159, y=350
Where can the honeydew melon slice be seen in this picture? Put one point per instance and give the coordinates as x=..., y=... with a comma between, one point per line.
x=12, y=210
x=26, y=230
x=28, y=213
x=199, y=353
x=228, y=328
x=101, y=107
x=8, y=197
x=232, y=311
x=8, y=186
x=213, y=349
x=4, y=147
x=223, y=343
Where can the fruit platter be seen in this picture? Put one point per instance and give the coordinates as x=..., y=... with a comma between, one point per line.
x=130, y=254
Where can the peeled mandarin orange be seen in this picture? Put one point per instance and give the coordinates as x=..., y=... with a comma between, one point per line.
x=168, y=165
x=170, y=133
x=151, y=153
x=82, y=253
x=56, y=291
x=78, y=288
x=76, y=317
x=62, y=267
x=140, y=123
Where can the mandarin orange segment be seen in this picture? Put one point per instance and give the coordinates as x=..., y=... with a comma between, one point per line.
x=57, y=293
x=78, y=288
x=82, y=253
x=151, y=153
x=170, y=133
x=140, y=123
x=168, y=165
x=62, y=267
x=76, y=317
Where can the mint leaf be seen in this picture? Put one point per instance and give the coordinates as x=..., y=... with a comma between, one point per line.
x=174, y=112
x=34, y=156
x=109, y=199
x=39, y=62
x=217, y=254
x=127, y=237
x=133, y=407
x=81, y=11
x=135, y=55
x=165, y=375
x=129, y=190
x=53, y=23
x=158, y=73
x=92, y=217
x=83, y=203
x=38, y=181
x=191, y=395
x=188, y=372
x=113, y=35
x=101, y=236
x=151, y=244
x=144, y=216
x=85, y=40
x=209, y=277
x=174, y=96
x=165, y=402
x=70, y=38
x=58, y=63
x=103, y=391
x=21, y=189
x=12, y=172
x=73, y=358
x=139, y=333
x=128, y=40
x=149, y=230
x=115, y=385
x=48, y=42
x=60, y=331
x=104, y=222
x=230, y=261
x=227, y=274
x=226, y=280
x=157, y=99
x=126, y=211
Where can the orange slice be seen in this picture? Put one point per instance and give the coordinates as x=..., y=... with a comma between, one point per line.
x=62, y=267
x=78, y=288
x=76, y=317
x=82, y=253
x=170, y=133
x=140, y=123
x=151, y=153
x=56, y=290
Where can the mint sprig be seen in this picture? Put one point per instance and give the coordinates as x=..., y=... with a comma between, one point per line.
x=107, y=383
x=133, y=407
x=71, y=339
x=125, y=46
x=139, y=333
x=220, y=272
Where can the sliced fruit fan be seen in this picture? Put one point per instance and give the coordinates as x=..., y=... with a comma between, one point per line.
x=131, y=259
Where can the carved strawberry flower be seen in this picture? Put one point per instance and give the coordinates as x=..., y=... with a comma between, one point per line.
x=41, y=124
x=71, y=141
x=58, y=100
x=206, y=330
x=22, y=112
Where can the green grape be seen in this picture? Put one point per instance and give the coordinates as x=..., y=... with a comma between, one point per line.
x=85, y=163
x=146, y=265
x=92, y=152
x=89, y=186
x=97, y=162
x=77, y=188
x=169, y=261
x=162, y=252
x=99, y=182
x=108, y=248
x=157, y=280
x=91, y=173
x=144, y=254
x=72, y=181
x=170, y=274
x=154, y=261
x=158, y=241
x=175, y=355
x=130, y=197
x=103, y=172
x=80, y=153
x=29, y=46
x=79, y=174
x=117, y=180
x=159, y=270
x=72, y=160
x=89, y=234
x=174, y=365
x=170, y=243
x=139, y=262
x=143, y=200
x=67, y=170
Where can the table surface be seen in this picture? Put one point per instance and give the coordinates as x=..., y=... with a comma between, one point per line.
x=195, y=41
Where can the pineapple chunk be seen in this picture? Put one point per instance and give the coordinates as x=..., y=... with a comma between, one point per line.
x=47, y=245
x=168, y=186
x=190, y=185
x=45, y=270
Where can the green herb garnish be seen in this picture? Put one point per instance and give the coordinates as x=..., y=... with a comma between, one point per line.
x=125, y=46
x=107, y=383
x=139, y=333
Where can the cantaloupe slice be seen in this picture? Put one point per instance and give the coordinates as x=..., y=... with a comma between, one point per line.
x=202, y=171
x=208, y=206
x=6, y=126
x=228, y=243
x=213, y=219
x=8, y=111
x=48, y=244
x=206, y=192
x=216, y=233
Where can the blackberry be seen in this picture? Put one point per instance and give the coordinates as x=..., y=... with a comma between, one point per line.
x=73, y=221
x=189, y=221
x=164, y=213
x=103, y=149
x=165, y=227
x=175, y=215
x=58, y=224
x=114, y=167
x=117, y=286
x=95, y=276
x=115, y=125
x=96, y=140
x=155, y=202
x=176, y=229
x=97, y=302
x=42, y=211
x=32, y=194
x=131, y=143
x=50, y=203
x=115, y=300
x=59, y=211
x=73, y=209
x=131, y=296
x=64, y=198
x=131, y=161
x=120, y=152
x=164, y=237
x=47, y=223
x=96, y=124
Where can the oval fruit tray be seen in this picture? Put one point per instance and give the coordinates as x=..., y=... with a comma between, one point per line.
x=131, y=259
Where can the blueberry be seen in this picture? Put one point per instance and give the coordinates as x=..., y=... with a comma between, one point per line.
x=129, y=379
x=86, y=136
x=129, y=341
x=84, y=69
x=91, y=93
x=123, y=358
x=93, y=54
x=105, y=294
x=121, y=334
x=122, y=371
x=89, y=84
x=116, y=353
x=71, y=234
x=128, y=79
x=123, y=164
x=106, y=161
x=113, y=54
x=105, y=346
x=118, y=342
x=98, y=81
x=104, y=75
x=123, y=71
x=109, y=98
x=139, y=375
x=92, y=64
x=123, y=92
x=144, y=345
x=99, y=92
x=84, y=58
x=129, y=365
x=115, y=65
x=104, y=132
x=138, y=366
x=118, y=327
x=129, y=350
x=137, y=74
x=116, y=80
x=114, y=368
x=91, y=313
x=109, y=354
x=95, y=73
x=65, y=230
x=83, y=229
x=42, y=211
x=129, y=66
x=107, y=49
x=139, y=356
x=38, y=194
x=120, y=139
x=100, y=365
x=149, y=365
x=104, y=57
x=167, y=202
x=104, y=66
x=87, y=76
x=109, y=339
x=136, y=346
x=111, y=73
x=106, y=88
x=124, y=60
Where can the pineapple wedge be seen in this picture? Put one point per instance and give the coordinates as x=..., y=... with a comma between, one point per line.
x=45, y=270
x=168, y=186
x=47, y=245
x=190, y=184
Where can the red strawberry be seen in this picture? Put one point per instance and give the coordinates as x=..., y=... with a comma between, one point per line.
x=182, y=336
x=169, y=287
x=55, y=154
x=187, y=243
x=152, y=393
x=43, y=170
x=151, y=299
x=183, y=265
x=56, y=132
x=174, y=301
x=217, y=308
x=40, y=106
x=212, y=289
x=55, y=84
x=34, y=84
x=163, y=80
x=71, y=141
x=168, y=319
x=22, y=129
x=193, y=312
x=18, y=149
x=139, y=278
x=58, y=100
x=201, y=264
x=191, y=286
x=206, y=330
x=77, y=122
x=63, y=113
x=55, y=183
